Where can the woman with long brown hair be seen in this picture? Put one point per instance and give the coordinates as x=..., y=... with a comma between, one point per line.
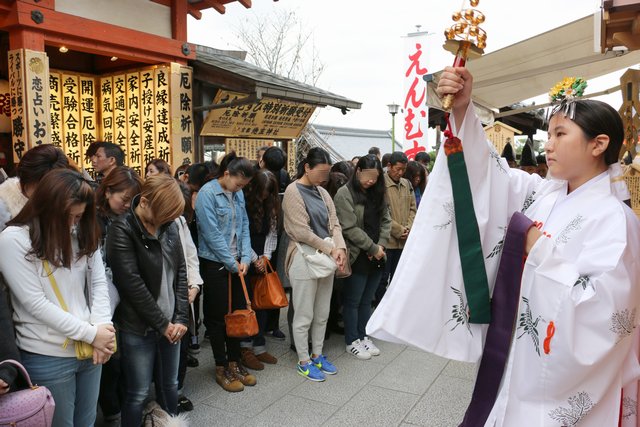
x=56, y=278
x=263, y=210
x=145, y=255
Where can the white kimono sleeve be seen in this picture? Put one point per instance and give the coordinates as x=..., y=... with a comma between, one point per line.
x=575, y=333
x=425, y=305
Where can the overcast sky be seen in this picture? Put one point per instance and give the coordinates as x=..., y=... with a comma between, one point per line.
x=361, y=42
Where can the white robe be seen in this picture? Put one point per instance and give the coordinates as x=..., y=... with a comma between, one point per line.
x=575, y=345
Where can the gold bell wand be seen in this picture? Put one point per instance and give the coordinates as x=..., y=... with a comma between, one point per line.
x=465, y=39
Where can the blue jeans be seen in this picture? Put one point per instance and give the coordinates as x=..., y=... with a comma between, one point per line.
x=73, y=383
x=139, y=354
x=357, y=295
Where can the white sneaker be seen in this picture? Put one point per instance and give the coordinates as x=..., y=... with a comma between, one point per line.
x=370, y=346
x=358, y=350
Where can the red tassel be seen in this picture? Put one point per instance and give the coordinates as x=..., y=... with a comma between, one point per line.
x=452, y=144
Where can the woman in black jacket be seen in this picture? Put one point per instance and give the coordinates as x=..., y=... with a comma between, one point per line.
x=113, y=198
x=146, y=257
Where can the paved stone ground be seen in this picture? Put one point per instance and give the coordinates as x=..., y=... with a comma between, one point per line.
x=401, y=387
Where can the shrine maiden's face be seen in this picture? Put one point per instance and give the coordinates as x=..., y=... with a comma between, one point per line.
x=569, y=153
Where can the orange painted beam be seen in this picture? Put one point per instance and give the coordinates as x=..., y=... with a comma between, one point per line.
x=88, y=46
x=20, y=38
x=214, y=4
x=195, y=12
x=44, y=4
x=179, y=20
x=62, y=27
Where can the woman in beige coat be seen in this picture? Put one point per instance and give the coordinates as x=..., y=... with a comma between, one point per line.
x=312, y=225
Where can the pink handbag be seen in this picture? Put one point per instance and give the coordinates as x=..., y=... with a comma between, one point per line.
x=32, y=407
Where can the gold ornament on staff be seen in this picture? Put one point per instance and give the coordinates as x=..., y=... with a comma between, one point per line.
x=465, y=39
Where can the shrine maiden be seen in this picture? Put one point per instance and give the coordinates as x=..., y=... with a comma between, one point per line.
x=574, y=344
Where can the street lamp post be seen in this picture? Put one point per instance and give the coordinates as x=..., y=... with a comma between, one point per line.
x=393, y=110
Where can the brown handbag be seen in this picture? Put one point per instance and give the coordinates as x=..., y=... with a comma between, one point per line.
x=241, y=323
x=268, y=292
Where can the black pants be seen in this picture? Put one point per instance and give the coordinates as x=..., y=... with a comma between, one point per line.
x=112, y=387
x=215, y=304
x=393, y=257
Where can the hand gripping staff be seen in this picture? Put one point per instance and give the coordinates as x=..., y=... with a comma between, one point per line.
x=465, y=38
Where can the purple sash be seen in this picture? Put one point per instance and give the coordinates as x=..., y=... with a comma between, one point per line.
x=504, y=308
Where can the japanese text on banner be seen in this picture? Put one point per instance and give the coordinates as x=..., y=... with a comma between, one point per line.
x=416, y=119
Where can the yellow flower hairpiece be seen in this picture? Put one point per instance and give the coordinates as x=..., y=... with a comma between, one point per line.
x=569, y=87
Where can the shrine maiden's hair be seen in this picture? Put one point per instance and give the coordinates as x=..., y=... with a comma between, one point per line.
x=597, y=118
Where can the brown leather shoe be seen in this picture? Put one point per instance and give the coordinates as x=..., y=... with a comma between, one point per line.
x=249, y=359
x=227, y=380
x=242, y=374
x=267, y=358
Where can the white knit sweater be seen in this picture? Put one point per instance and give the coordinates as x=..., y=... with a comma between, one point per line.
x=42, y=326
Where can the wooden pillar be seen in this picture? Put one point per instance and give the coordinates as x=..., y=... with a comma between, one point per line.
x=25, y=38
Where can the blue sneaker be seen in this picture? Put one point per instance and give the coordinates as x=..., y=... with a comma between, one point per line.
x=310, y=372
x=324, y=365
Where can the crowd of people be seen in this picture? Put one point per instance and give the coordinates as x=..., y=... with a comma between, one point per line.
x=107, y=282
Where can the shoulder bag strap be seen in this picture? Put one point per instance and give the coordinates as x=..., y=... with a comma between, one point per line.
x=54, y=285
x=56, y=291
x=244, y=289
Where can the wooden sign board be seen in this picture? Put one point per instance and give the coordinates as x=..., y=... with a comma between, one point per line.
x=267, y=118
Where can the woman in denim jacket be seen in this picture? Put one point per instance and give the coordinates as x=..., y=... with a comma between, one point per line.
x=224, y=248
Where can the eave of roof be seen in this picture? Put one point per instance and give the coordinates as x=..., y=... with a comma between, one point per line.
x=269, y=84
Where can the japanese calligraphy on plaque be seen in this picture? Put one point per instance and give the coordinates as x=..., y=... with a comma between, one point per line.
x=147, y=116
x=266, y=118
x=181, y=116
x=71, y=117
x=29, y=100
x=134, y=154
x=18, y=116
x=120, y=111
x=161, y=82
x=148, y=112
x=88, y=117
x=416, y=119
x=246, y=147
x=106, y=105
x=36, y=85
x=55, y=106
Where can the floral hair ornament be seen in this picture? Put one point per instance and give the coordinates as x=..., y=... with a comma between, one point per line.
x=566, y=92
